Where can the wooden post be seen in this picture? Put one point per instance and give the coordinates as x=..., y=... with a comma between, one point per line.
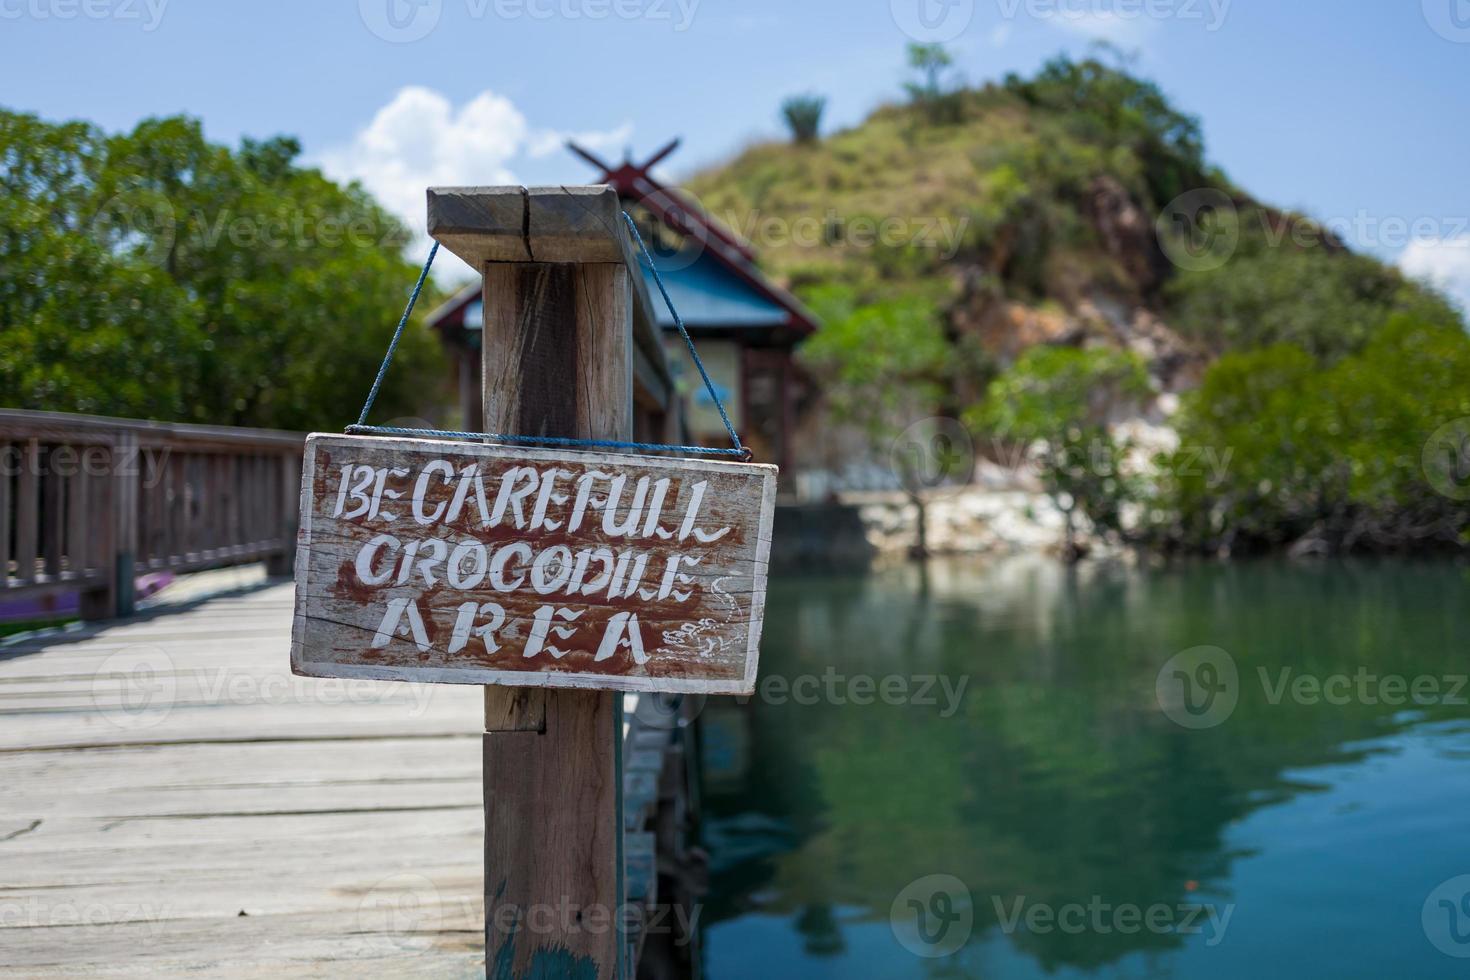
x=77, y=531
x=567, y=336
x=7, y=454
x=127, y=477
x=28, y=512
x=115, y=511
x=281, y=562
x=53, y=526
x=556, y=360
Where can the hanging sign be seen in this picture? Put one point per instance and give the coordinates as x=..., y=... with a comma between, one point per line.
x=475, y=564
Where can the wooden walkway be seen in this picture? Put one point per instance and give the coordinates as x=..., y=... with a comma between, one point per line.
x=173, y=800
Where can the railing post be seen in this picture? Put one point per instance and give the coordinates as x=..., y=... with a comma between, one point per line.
x=28, y=512
x=557, y=360
x=282, y=561
x=8, y=460
x=167, y=496
x=127, y=466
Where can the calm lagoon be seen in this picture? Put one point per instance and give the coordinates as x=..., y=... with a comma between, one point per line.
x=1293, y=800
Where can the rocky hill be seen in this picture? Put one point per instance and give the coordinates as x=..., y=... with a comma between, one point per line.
x=1075, y=207
x=1052, y=262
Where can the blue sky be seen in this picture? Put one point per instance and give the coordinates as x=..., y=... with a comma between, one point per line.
x=1351, y=111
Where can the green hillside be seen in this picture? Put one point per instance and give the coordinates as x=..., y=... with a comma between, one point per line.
x=966, y=245
x=1048, y=192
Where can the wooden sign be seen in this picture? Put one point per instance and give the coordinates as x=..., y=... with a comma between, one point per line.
x=475, y=564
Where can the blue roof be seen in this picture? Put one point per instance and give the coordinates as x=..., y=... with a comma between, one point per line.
x=707, y=294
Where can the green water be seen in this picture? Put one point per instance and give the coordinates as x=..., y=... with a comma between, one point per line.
x=1289, y=837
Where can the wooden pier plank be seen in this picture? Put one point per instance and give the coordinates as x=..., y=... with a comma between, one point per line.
x=343, y=818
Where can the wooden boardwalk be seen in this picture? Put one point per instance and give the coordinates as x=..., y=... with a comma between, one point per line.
x=173, y=800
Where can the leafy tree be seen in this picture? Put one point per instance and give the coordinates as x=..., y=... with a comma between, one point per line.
x=930, y=60
x=1060, y=400
x=1108, y=105
x=883, y=365
x=153, y=274
x=1054, y=186
x=803, y=115
x=883, y=360
x=1328, y=303
x=939, y=103
x=1341, y=453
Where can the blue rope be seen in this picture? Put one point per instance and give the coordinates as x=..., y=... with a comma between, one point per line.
x=397, y=336
x=362, y=428
x=642, y=447
x=683, y=332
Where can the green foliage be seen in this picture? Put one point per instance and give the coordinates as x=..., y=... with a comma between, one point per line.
x=1061, y=399
x=1049, y=186
x=1336, y=451
x=1104, y=105
x=803, y=115
x=931, y=61
x=1050, y=389
x=1002, y=177
x=156, y=275
x=1327, y=303
x=940, y=103
x=882, y=363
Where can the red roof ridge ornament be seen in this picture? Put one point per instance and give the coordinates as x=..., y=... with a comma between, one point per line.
x=674, y=207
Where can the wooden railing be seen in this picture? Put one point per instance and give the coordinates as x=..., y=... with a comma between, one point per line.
x=89, y=503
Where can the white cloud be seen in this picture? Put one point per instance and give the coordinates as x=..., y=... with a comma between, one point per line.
x=1104, y=25
x=1443, y=262
x=421, y=139
x=549, y=141
x=999, y=35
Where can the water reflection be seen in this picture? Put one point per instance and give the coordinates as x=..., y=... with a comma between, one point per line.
x=1310, y=823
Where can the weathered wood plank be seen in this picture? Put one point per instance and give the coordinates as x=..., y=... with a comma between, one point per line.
x=122, y=518
x=191, y=471
x=7, y=454
x=53, y=518
x=56, y=427
x=288, y=488
x=520, y=709
x=552, y=840
x=483, y=564
x=138, y=861
x=177, y=537
x=571, y=326
x=275, y=802
x=156, y=545
x=527, y=224
x=233, y=490
x=28, y=513
x=78, y=533
x=74, y=509
x=481, y=227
